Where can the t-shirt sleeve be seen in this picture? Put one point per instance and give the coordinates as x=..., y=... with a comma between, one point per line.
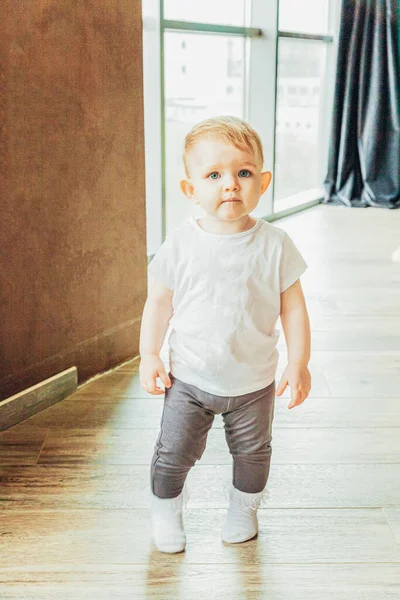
x=292, y=264
x=162, y=265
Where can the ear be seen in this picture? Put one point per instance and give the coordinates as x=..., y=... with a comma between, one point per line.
x=187, y=188
x=265, y=181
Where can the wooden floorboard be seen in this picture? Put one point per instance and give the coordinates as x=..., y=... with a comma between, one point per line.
x=74, y=479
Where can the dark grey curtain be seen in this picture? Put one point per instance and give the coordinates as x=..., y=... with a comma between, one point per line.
x=364, y=154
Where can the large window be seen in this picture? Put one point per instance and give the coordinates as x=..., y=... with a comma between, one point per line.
x=271, y=63
x=305, y=16
x=304, y=85
x=223, y=12
x=301, y=67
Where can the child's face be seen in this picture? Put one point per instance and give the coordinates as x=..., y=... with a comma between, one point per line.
x=226, y=181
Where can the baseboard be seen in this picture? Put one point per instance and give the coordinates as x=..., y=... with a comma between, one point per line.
x=23, y=405
x=91, y=357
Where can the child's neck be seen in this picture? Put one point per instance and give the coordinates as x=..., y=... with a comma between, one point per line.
x=212, y=225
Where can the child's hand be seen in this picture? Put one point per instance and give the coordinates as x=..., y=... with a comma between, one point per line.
x=151, y=367
x=299, y=379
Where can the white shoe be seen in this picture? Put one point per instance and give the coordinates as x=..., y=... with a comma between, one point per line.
x=241, y=522
x=167, y=522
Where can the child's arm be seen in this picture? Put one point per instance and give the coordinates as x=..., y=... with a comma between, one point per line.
x=155, y=320
x=296, y=327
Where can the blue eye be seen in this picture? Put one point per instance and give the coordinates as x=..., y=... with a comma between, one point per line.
x=214, y=175
x=244, y=173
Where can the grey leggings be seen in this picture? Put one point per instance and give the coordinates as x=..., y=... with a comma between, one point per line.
x=187, y=418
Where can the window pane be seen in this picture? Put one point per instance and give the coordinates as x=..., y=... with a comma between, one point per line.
x=301, y=65
x=224, y=12
x=305, y=16
x=204, y=77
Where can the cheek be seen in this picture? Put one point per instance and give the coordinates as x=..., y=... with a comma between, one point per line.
x=207, y=190
x=251, y=185
x=256, y=186
x=198, y=188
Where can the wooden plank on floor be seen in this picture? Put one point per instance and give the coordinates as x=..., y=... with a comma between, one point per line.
x=121, y=537
x=172, y=579
x=128, y=486
x=26, y=403
x=289, y=446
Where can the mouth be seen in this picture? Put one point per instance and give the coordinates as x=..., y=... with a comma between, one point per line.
x=231, y=200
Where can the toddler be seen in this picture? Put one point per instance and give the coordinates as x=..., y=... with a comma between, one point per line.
x=221, y=282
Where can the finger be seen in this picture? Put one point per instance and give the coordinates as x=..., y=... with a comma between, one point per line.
x=296, y=398
x=159, y=392
x=156, y=391
x=151, y=386
x=165, y=379
x=298, y=403
x=281, y=387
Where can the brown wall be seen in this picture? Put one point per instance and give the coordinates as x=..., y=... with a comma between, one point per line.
x=72, y=227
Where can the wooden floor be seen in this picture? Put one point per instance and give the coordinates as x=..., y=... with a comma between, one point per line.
x=75, y=478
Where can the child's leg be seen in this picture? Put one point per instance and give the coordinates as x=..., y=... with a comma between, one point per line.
x=184, y=427
x=248, y=432
x=182, y=440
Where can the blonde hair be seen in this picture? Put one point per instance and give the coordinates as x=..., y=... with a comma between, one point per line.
x=230, y=129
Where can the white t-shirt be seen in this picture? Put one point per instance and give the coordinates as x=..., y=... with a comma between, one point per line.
x=226, y=303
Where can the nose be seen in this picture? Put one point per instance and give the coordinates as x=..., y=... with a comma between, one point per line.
x=231, y=183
